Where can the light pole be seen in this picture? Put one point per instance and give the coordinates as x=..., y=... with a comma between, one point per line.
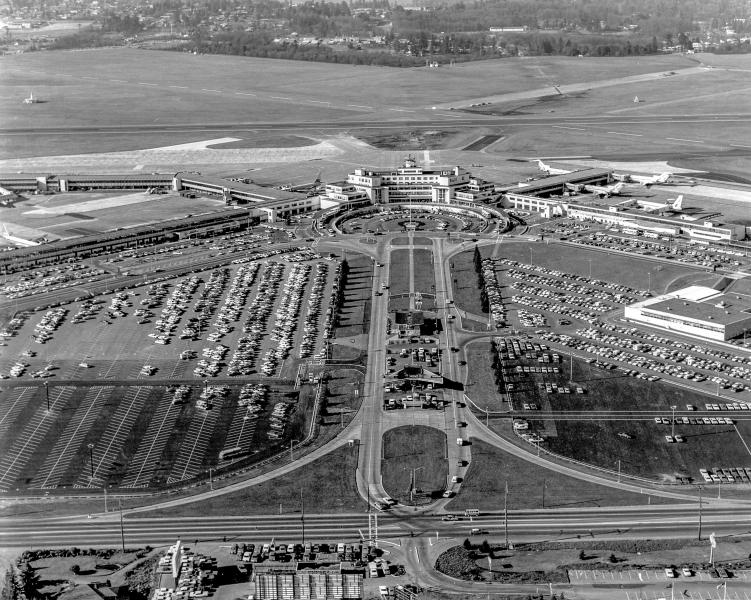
x=291, y=443
x=91, y=459
x=672, y=421
x=414, y=483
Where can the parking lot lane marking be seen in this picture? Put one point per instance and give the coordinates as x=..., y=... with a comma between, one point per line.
x=684, y=140
x=572, y=128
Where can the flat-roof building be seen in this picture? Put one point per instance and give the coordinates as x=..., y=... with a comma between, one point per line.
x=411, y=183
x=697, y=311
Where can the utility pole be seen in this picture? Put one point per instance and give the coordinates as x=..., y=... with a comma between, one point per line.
x=122, y=529
x=505, y=514
x=700, y=502
x=302, y=515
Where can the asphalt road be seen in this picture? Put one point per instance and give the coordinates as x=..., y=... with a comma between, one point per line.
x=548, y=525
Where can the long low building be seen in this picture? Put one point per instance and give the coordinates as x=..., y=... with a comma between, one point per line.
x=626, y=215
x=698, y=311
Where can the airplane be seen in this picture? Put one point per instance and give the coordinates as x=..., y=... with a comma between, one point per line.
x=644, y=180
x=674, y=206
x=18, y=241
x=599, y=190
x=30, y=99
x=548, y=170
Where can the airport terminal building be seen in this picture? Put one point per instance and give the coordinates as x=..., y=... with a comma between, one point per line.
x=411, y=183
x=697, y=311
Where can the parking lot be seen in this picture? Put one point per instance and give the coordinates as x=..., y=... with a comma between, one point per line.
x=252, y=318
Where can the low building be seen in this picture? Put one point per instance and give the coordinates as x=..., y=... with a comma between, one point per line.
x=697, y=311
x=296, y=581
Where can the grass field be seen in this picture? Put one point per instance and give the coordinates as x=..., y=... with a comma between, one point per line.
x=399, y=273
x=328, y=485
x=354, y=316
x=480, y=386
x=644, y=452
x=605, y=266
x=491, y=469
x=407, y=448
x=464, y=280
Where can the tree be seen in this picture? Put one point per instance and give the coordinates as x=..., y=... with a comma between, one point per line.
x=612, y=558
x=485, y=547
x=75, y=569
x=28, y=581
x=582, y=555
x=467, y=544
x=478, y=259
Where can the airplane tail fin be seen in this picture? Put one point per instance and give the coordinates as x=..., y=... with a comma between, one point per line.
x=678, y=204
x=618, y=187
x=664, y=178
x=542, y=166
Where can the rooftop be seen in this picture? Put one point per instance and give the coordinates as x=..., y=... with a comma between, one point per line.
x=722, y=309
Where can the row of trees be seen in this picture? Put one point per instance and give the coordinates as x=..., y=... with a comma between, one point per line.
x=484, y=304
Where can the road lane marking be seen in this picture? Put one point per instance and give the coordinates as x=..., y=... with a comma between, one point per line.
x=320, y=101
x=145, y=83
x=208, y=90
x=624, y=133
x=244, y=94
x=279, y=98
x=573, y=128
x=118, y=81
x=402, y=110
x=684, y=140
x=360, y=106
x=179, y=87
x=739, y=146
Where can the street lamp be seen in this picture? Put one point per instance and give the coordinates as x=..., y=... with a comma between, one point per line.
x=672, y=421
x=291, y=442
x=91, y=459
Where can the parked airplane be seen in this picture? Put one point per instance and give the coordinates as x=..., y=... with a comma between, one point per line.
x=671, y=206
x=643, y=179
x=599, y=190
x=30, y=99
x=548, y=170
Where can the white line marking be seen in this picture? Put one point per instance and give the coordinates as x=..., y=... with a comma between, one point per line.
x=279, y=98
x=574, y=128
x=453, y=116
x=180, y=87
x=402, y=110
x=359, y=106
x=207, y=90
x=244, y=94
x=684, y=140
x=320, y=102
x=144, y=83
x=739, y=146
x=624, y=133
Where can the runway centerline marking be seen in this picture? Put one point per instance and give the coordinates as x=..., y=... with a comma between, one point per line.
x=624, y=133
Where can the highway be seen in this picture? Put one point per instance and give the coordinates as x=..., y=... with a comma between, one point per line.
x=523, y=525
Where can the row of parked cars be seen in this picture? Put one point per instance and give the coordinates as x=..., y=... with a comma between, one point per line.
x=174, y=307
x=49, y=323
x=50, y=280
x=493, y=292
x=286, y=317
x=731, y=475
x=313, y=316
x=678, y=363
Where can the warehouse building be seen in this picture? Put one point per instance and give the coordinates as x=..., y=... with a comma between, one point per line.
x=697, y=311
